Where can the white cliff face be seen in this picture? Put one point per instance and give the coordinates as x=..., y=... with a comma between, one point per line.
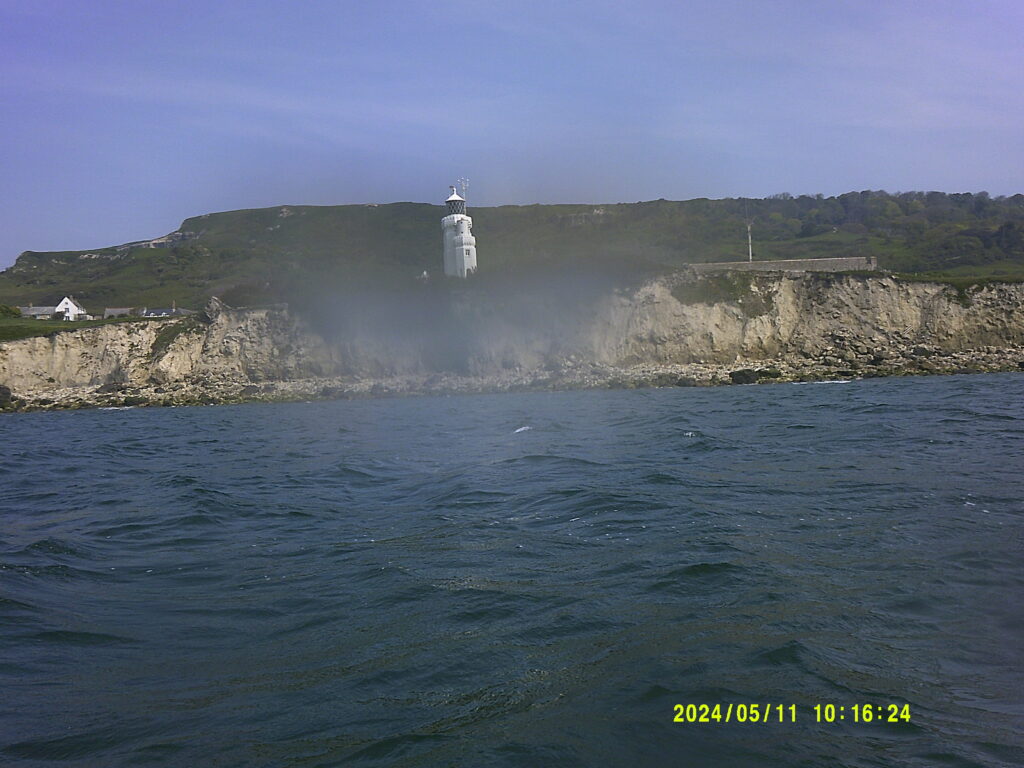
x=805, y=316
x=234, y=345
x=245, y=345
x=829, y=319
x=89, y=356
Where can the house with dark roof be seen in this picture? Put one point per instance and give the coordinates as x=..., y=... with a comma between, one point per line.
x=118, y=312
x=38, y=313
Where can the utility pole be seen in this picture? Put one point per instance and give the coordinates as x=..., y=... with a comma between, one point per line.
x=750, y=223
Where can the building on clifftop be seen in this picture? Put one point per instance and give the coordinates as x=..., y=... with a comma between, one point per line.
x=66, y=309
x=459, y=243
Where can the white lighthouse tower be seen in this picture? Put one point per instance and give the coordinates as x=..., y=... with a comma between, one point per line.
x=459, y=243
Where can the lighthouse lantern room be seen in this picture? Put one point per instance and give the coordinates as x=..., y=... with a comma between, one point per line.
x=459, y=243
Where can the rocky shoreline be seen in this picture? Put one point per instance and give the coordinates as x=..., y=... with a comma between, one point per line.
x=680, y=330
x=915, y=361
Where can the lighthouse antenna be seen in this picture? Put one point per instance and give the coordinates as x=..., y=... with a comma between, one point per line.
x=464, y=183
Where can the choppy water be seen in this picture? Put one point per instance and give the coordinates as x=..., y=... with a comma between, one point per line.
x=427, y=582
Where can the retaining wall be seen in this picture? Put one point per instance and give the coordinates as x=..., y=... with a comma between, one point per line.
x=846, y=264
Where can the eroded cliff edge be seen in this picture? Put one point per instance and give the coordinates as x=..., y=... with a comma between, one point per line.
x=683, y=329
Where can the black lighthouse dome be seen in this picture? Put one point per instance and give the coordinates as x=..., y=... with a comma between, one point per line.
x=456, y=203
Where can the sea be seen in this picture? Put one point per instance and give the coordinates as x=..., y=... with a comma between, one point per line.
x=537, y=579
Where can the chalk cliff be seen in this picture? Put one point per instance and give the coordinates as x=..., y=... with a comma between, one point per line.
x=218, y=345
x=832, y=317
x=681, y=329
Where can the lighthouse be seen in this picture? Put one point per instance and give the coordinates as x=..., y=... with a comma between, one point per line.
x=459, y=243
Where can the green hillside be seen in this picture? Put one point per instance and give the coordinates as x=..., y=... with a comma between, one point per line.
x=292, y=252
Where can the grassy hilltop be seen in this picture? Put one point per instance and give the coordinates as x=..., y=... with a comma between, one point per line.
x=293, y=252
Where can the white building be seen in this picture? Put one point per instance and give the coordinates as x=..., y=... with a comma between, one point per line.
x=459, y=243
x=68, y=308
x=71, y=309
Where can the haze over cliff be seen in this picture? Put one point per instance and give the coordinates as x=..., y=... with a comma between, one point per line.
x=678, y=329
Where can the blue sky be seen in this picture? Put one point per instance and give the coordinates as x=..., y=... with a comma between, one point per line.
x=119, y=119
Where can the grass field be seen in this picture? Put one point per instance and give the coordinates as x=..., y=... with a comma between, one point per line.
x=24, y=327
x=1004, y=271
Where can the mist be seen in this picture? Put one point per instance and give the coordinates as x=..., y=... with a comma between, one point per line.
x=485, y=324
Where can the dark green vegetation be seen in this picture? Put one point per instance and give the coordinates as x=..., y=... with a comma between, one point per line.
x=311, y=255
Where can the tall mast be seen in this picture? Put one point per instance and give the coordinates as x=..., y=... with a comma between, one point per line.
x=750, y=241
